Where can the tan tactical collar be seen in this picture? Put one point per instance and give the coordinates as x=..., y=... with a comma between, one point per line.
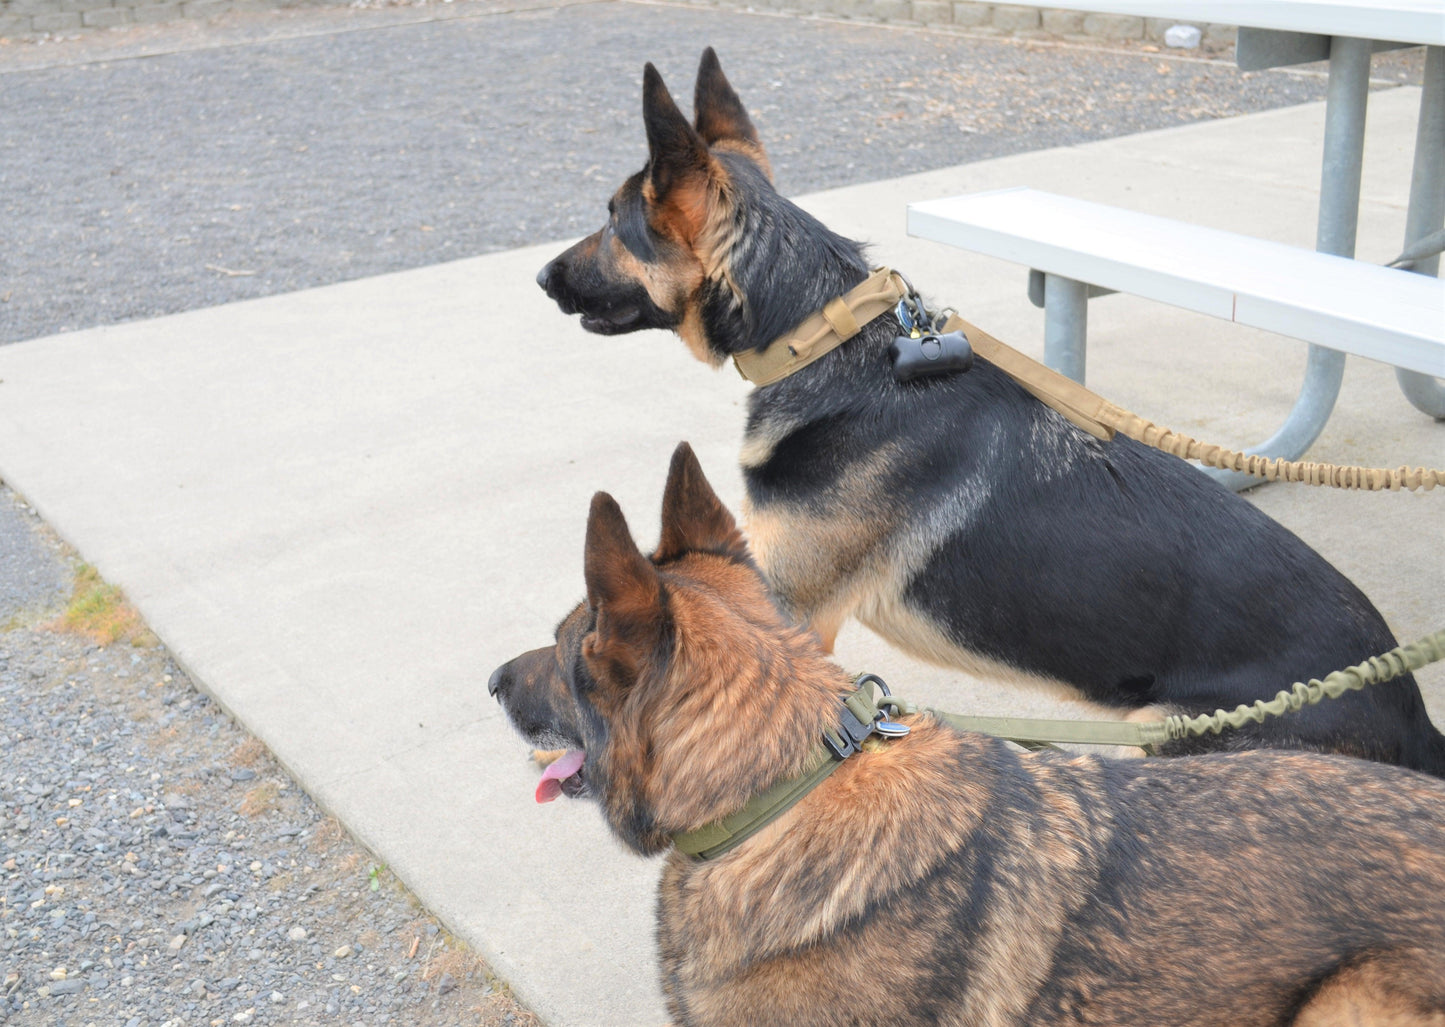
x=840, y=319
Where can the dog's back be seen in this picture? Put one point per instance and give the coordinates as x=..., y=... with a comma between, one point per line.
x=1248, y=890
x=1002, y=539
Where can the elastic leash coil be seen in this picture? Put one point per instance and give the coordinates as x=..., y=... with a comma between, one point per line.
x=1393, y=664
x=1307, y=472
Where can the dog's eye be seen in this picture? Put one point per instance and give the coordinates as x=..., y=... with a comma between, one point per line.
x=612, y=208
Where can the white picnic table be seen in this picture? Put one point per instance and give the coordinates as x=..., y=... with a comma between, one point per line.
x=1276, y=33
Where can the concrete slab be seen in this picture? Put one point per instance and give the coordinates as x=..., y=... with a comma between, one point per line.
x=342, y=507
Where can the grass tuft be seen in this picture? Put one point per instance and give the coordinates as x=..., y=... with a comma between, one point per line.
x=261, y=799
x=99, y=611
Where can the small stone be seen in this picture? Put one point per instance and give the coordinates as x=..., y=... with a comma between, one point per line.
x=244, y=774
x=244, y=1016
x=446, y=984
x=58, y=974
x=177, y=943
x=296, y=934
x=342, y=952
x=1182, y=37
x=74, y=986
x=277, y=998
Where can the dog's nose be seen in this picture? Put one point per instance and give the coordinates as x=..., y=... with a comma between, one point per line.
x=497, y=680
x=544, y=275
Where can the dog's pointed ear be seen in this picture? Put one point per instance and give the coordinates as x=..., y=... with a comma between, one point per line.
x=693, y=517
x=718, y=113
x=677, y=154
x=624, y=588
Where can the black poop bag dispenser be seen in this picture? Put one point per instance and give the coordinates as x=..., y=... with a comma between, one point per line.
x=927, y=351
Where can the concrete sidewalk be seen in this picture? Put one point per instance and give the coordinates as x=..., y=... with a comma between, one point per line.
x=341, y=508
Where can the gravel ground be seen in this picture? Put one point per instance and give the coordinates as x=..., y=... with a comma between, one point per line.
x=159, y=867
x=137, y=186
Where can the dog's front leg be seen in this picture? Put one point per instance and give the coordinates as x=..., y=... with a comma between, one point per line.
x=826, y=626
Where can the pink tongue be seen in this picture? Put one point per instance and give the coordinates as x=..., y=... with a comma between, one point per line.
x=558, y=771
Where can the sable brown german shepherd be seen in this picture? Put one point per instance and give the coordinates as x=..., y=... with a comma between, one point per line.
x=946, y=877
x=958, y=517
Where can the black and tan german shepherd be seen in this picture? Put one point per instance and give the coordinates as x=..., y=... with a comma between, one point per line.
x=959, y=517
x=945, y=877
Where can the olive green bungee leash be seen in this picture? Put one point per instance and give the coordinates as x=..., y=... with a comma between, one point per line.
x=1146, y=735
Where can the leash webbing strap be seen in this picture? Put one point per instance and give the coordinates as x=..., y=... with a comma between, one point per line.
x=840, y=319
x=1081, y=406
x=1029, y=731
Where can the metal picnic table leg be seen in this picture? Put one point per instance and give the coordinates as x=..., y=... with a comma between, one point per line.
x=1339, y=216
x=1426, y=213
x=1066, y=320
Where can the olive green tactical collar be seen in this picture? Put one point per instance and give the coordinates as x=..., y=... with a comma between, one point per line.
x=859, y=718
x=840, y=319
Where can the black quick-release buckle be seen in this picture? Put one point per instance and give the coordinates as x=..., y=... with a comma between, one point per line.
x=848, y=739
x=863, y=716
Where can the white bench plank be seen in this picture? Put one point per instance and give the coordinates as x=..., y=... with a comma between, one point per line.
x=1343, y=304
x=1401, y=21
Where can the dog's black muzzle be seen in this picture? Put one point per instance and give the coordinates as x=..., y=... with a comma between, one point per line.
x=537, y=700
x=575, y=282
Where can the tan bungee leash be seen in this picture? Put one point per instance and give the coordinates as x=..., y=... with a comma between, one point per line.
x=844, y=316
x=865, y=715
x=1101, y=418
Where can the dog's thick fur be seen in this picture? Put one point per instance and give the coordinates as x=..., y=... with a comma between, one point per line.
x=959, y=517
x=946, y=878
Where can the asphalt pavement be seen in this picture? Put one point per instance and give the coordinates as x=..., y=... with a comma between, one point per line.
x=194, y=175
